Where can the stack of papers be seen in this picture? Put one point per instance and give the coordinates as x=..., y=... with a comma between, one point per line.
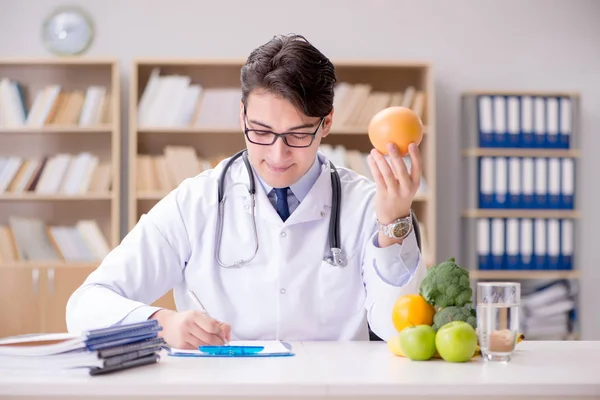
x=94, y=352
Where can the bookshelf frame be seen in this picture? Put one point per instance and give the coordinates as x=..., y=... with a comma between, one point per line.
x=35, y=292
x=472, y=151
x=380, y=73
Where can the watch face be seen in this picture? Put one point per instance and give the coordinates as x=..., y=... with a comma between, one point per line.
x=400, y=229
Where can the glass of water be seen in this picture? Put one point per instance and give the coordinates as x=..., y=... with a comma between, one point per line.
x=498, y=319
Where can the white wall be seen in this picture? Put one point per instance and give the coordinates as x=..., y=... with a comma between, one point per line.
x=473, y=44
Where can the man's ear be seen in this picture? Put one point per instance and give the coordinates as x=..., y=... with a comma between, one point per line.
x=242, y=115
x=327, y=124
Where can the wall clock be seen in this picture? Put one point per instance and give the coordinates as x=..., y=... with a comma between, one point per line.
x=68, y=31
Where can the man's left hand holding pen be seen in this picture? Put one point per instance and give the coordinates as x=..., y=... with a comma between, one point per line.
x=192, y=328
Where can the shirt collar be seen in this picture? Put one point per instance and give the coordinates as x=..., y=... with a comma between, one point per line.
x=301, y=188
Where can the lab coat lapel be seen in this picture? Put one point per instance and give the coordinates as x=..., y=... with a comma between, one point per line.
x=262, y=208
x=317, y=203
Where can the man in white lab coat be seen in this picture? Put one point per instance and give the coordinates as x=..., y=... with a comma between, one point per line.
x=285, y=290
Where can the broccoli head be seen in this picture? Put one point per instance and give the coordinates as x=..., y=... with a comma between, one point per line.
x=454, y=313
x=446, y=285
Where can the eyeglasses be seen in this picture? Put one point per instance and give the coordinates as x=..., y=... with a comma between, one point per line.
x=293, y=139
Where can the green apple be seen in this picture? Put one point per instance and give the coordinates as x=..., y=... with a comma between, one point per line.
x=418, y=342
x=456, y=341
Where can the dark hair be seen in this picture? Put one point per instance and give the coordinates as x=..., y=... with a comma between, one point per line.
x=291, y=67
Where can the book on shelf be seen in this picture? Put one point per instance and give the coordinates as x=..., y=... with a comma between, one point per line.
x=59, y=174
x=94, y=352
x=54, y=105
x=548, y=309
x=527, y=121
x=174, y=100
x=31, y=239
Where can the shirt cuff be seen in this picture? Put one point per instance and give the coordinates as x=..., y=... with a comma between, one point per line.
x=397, y=263
x=140, y=314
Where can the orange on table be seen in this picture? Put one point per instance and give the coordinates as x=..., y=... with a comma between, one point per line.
x=399, y=125
x=411, y=310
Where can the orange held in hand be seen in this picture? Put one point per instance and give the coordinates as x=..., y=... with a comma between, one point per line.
x=399, y=125
x=411, y=310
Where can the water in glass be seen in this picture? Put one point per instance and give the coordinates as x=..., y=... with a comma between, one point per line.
x=498, y=319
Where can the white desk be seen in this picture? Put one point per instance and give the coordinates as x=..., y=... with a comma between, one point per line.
x=359, y=370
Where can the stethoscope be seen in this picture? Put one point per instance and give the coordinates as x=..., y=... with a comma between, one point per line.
x=337, y=259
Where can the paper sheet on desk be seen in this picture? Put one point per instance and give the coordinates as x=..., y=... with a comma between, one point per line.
x=272, y=348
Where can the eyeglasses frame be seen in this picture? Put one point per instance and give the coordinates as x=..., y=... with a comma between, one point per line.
x=283, y=136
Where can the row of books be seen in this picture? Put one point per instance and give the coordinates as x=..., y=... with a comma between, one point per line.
x=525, y=121
x=525, y=243
x=356, y=104
x=53, y=105
x=548, y=309
x=32, y=239
x=164, y=172
x=527, y=182
x=95, y=352
x=66, y=174
x=175, y=100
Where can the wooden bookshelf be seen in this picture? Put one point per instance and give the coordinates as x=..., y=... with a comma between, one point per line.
x=60, y=145
x=212, y=139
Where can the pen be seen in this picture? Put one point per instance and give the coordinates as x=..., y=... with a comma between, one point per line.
x=199, y=304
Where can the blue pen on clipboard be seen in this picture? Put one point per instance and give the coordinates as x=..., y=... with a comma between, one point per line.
x=231, y=350
x=202, y=309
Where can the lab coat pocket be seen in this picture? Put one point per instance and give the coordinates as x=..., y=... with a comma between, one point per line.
x=341, y=291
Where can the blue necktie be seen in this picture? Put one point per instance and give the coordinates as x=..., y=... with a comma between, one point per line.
x=282, y=203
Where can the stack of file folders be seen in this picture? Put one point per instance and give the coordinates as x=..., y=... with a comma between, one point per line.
x=94, y=352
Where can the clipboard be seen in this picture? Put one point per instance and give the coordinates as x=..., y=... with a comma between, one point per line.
x=238, y=349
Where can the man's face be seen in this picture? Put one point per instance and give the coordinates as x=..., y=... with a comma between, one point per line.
x=280, y=165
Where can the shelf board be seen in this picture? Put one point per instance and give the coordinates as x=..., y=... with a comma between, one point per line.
x=543, y=93
x=519, y=152
x=51, y=264
x=54, y=197
x=358, y=130
x=151, y=195
x=58, y=61
x=59, y=129
x=208, y=130
x=189, y=130
x=521, y=213
x=188, y=62
x=516, y=274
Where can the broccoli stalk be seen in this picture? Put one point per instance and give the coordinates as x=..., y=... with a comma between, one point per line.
x=454, y=313
x=446, y=285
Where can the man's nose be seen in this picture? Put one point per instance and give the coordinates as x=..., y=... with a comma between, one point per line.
x=279, y=148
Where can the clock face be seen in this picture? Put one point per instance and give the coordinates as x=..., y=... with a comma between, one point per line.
x=68, y=31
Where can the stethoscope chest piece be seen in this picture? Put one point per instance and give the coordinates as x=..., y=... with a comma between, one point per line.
x=337, y=259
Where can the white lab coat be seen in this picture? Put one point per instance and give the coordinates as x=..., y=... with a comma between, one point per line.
x=286, y=292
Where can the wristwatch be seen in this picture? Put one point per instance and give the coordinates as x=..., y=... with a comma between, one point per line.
x=399, y=229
